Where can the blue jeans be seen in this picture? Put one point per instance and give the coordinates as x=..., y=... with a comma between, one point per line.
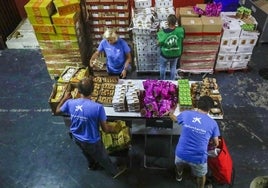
x=163, y=67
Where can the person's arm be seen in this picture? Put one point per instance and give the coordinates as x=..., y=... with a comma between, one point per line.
x=93, y=58
x=127, y=62
x=172, y=116
x=215, y=141
x=67, y=96
x=110, y=129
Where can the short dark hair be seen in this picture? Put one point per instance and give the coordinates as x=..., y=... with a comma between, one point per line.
x=205, y=103
x=172, y=19
x=86, y=86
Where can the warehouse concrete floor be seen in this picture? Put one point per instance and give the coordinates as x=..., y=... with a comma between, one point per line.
x=35, y=150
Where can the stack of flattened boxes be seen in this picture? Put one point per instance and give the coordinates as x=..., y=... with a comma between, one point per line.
x=59, y=29
x=144, y=29
x=202, y=40
x=103, y=14
x=236, y=44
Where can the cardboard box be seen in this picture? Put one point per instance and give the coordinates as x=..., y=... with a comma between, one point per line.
x=40, y=8
x=48, y=36
x=192, y=24
x=56, y=95
x=39, y=20
x=211, y=24
x=67, y=74
x=79, y=75
x=66, y=20
x=66, y=7
x=187, y=12
x=202, y=6
x=122, y=1
x=44, y=28
x=223, y=65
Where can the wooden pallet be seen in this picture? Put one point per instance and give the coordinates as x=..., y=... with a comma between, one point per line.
x=231, y=71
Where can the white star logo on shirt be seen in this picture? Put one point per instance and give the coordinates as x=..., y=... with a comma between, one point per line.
x=196, y=119
x=79, y=107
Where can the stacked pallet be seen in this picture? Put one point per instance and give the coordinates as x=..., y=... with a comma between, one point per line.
x=146, y=20
x=103, y=14
x=59, y=29
x=236, y=44
x=202, y=40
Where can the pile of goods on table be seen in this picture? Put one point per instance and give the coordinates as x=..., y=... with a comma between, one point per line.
x=208, y=86
x=158, y=98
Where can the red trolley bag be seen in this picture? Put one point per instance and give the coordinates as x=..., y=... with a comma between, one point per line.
x=221, y=166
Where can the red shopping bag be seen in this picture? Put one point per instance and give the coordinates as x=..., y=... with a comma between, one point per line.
x=221, y=166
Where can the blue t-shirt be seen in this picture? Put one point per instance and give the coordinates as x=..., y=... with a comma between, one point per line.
x=85, y=117
x=196, y=131
x=115, y=54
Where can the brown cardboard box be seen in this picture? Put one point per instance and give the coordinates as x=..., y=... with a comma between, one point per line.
x=202, y=6
x=192, y=24
x=211, y=24
x=187, y=12
x=106, y=1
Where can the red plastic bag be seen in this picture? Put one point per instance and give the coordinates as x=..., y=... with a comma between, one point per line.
x=222, y=165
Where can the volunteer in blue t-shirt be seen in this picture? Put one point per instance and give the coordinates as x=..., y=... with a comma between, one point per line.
x=197, y=130
x=117, y=52
x=86, y=118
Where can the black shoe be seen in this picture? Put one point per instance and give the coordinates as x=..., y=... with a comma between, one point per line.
x=94, y=166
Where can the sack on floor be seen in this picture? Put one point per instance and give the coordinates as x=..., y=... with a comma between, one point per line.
x=221, y=166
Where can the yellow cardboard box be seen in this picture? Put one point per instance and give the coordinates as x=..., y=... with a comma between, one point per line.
x=69, y=30
x=44, y=28
x=48, y=36
x=66, y=7
x=211, y=24
x=192, y=24
x=40, y=8
x=66, y=20
x=39, y=20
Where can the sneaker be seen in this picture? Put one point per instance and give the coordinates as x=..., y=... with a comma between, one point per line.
x=178, y=176
x=121, y=170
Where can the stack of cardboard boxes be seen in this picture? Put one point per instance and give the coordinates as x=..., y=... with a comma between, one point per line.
x=146, y=20
x=236, y=44
x=202, y=40
x=103, y=14
x=60, y=32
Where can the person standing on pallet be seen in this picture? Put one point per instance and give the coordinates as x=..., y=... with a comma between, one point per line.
x=170, y=42
x=86, y=118
x=197, y=131
x=117, y=52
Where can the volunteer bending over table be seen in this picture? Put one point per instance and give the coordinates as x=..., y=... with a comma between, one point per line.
x=86, y=118
x=117, y=51
x=198, y=129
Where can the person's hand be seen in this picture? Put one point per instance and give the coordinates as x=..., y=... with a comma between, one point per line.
x=123, y=74
x=67, y=95
x=91, y=64
x=172, y=116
